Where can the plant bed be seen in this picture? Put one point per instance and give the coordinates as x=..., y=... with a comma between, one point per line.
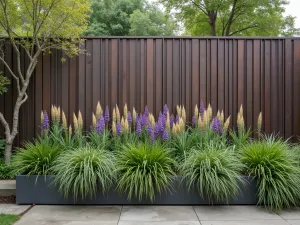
x=41, y=190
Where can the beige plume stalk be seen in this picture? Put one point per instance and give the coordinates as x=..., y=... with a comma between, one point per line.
x=125, y=111
x=205, y=118
x=181, y=125
x=42, y=117
x=134, y=115
x=64, y=121
x=259, y=124
x=114, y=117
x=80, y=120
x=241, y=113
x=58, y=113
x=52, y=112
x=75, y=122
x=94, y=120
x=70, y=130
x=209, y=112
x=183, y=114
x=114, y=128
x=200, y=123
x=219, y=115
x=241, y=123
x=226, y=125
x=123, y=123
x=196, y=112
x=222, y=117
x=98, y=111
x=178, y=109
x=126, y=125
x=118, y=116
x=168, y=122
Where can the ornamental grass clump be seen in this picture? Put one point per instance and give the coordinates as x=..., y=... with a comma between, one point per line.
x=36, y=158
x=214, y=170
x=80, y=171
x=273, y=163
x=144, y=170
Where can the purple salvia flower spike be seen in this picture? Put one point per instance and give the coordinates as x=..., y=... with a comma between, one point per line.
x=177, y=119
x=202, y=109
x=138, y=128
x=165, y=135
x=165, y=110
x=152, y=137
x=106, y=115
x=144, y=120
x=194, y=121
x=216, y=125
x=149, y=129
x=156, y=130
x=129, y=117
x=118, y=128
x=100, y=126
x=45, y=125
x=171, y=121
x=146, y=111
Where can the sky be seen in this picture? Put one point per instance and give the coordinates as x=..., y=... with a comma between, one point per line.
x=293, y=9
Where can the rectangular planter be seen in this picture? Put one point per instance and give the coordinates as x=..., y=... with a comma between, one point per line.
x=41, y=190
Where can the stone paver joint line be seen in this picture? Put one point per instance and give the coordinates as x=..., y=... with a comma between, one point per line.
x=155, y=215
x=120, y=215
x=197, y=215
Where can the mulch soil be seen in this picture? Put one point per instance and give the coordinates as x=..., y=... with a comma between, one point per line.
x=7, y=199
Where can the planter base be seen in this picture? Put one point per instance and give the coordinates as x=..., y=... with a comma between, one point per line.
x=41, y=191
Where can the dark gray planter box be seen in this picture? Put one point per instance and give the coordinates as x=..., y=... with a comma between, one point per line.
x=41, y=190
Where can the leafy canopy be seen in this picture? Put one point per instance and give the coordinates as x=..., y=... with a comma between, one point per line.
x=4, y=81
x=233, y=17
x=128, y=17
x=46, y=23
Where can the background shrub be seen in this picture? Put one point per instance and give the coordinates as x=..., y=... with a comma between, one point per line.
x=276, y=168
x=144, y=169
x=2, y=148
x=79, y=171
x=214, y=170
x=6, y=171
x=35, y=158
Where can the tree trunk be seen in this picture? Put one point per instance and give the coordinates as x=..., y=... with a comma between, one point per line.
x=8, y=150
x=230, y=20
x=212, y=18
x=213, y=31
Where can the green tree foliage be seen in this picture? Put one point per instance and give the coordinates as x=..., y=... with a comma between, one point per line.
x=233, y=17
x=128, y=17
x=152, y=22
x=35, y=27
x=4, y=81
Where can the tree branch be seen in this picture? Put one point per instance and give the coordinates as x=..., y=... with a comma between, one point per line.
x=201, y=7
x=5, y=124
x=243, y=29
x=11, y=72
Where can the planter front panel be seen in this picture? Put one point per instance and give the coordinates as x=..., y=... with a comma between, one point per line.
x=41, y=190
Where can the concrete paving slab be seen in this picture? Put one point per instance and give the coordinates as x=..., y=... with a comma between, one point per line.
x=223, y=213
x=294, y=222
x=55, y=222
x=73, y=213
x=291, y=214
x=246, y=222
x=7, y=187
x=158, y=213
x=159, y=223
x=13, y=208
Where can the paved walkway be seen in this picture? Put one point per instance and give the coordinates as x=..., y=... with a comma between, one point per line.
x=157, y=215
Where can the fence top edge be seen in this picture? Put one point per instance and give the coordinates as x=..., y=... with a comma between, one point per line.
x=192, y=37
